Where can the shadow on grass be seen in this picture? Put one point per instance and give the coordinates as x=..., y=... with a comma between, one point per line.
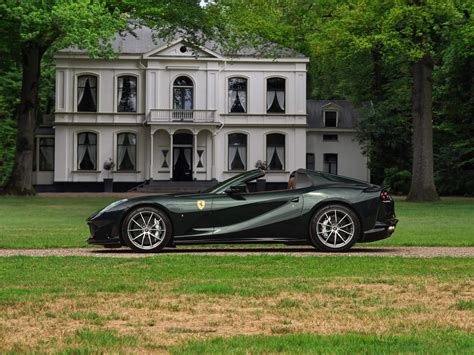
x=250, y=250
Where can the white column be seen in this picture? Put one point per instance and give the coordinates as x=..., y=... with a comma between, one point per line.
x=171, y=156
x=151, y=154
x=194, y=167
x=213, y=169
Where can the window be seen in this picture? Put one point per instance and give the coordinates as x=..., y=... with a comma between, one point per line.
x=330, y=118
x=87, y=93
x=330, y=163
x=276, y=151
x=87, y=151
x=127, y=94
x=237, y=151
x=310, y=161
x=276, y=95
x=183, y=91
x=330, y=137
x=127, y=151
x=237, y=95
x=46, y=154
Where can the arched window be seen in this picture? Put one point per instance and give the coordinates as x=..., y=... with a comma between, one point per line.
x=237, y=151
x=183, y=93
x=237, y=95
x=127, y=94
x=87, y=151
x=126, y=151
x=276, y=151
x=276, y=95
x=87, y=93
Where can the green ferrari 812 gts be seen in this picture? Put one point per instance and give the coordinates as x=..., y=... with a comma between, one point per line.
x=330, y=212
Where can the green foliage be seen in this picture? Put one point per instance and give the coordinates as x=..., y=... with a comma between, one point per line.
x=362, y=51
x=397, y=180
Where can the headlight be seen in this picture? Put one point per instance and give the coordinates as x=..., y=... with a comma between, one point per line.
x=112, y=205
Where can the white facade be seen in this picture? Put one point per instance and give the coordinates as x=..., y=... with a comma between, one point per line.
x=157, y=122
x=190, y=115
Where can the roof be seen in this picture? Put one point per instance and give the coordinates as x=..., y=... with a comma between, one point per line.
x=143, y=40
x=348, y=116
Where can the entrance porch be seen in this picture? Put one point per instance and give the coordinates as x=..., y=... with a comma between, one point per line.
x=181, y=154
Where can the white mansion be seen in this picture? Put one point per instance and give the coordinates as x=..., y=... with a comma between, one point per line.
x=163, y=111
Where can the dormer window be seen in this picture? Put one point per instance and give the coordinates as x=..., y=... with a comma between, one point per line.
x=330, y=118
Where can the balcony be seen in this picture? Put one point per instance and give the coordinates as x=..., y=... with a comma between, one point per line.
x=197, y=116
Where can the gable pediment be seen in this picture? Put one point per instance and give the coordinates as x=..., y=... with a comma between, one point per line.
x=179, y=49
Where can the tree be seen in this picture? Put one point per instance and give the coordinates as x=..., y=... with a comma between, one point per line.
x=365, y=47
x=29, y=29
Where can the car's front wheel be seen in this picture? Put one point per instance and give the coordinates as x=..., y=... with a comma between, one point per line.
x=146, y=229
x=334, y=228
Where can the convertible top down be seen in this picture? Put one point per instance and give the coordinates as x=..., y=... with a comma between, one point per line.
x=328, y=211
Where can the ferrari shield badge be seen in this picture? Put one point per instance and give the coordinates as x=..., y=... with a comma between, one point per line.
x=201, y=204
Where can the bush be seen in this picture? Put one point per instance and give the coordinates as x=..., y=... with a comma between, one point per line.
x=397, y=180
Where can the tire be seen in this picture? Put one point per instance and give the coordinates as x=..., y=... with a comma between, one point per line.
x=326, y=231
x=146, y=230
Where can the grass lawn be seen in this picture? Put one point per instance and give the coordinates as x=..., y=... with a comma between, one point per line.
x=46, y=222
x=236, y=304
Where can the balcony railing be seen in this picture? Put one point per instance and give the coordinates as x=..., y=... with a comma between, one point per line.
x=200, y=116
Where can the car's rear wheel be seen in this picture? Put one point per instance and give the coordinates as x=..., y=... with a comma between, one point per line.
x=146, y=229
x=334, y=228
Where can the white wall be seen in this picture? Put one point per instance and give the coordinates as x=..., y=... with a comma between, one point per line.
x=350, y=160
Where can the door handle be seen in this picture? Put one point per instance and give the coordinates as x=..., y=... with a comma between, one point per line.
x=296, y=199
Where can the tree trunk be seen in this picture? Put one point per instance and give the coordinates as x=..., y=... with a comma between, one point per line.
x=422, y=182
x=20, y=182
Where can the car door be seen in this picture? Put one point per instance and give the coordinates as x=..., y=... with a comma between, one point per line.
x=260, y=215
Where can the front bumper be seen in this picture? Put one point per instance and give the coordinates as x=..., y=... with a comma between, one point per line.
x=380, y=231
x=105, y=230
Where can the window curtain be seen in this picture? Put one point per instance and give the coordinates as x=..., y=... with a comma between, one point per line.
x=176, y=152
x=81, y=148
x=121, y=149
x=232, y=153
x=187, y=156
x=281, y=99
x=243, y=100
x=87, y=143
x=270, y=150
x=87, y=93
x=280, y=151
x=127, y=94
x=93, y=88
x=243, y=155
x=270, y=98
x=232, y=98
x=81, y=85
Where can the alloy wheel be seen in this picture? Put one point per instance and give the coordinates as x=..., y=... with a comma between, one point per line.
x=335, y=228
x=146, y=229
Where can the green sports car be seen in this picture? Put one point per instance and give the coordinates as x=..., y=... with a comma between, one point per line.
x=328, y=211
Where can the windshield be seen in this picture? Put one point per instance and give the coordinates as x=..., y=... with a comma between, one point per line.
x=238, y=179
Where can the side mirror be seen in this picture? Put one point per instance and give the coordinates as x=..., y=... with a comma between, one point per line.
x=236, y=189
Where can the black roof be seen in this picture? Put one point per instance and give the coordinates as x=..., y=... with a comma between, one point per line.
x=348, y=116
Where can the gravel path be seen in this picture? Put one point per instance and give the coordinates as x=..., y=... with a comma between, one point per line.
x=413, y=252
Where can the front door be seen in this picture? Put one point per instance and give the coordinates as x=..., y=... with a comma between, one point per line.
x=183, y=162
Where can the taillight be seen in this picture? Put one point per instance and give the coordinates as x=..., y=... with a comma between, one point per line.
x=385, y=196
